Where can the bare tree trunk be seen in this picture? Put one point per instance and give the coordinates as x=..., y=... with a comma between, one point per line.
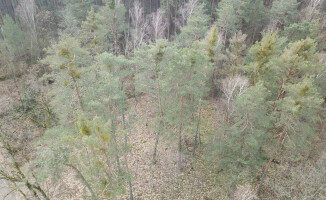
x=279, y=96
x=175, y=20
x=82, y=178
x=116, y=147
x=161, y=122
x=212, y=10
x=144, y=10
x=180, y=137
x=131, y=196
x=115, y=39
x=280, y=139
x=77, y=93
x=322, y=131
x=180, y=149
x=18, y=90
x=197, y=130
x=167, y=5
x=155, y=147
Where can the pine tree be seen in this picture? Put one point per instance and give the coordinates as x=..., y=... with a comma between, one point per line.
x=149, y=78
x=68, y=57
x=74, y=13
x=237, y=151
x=92, y=35
x=261, y=55
x=299, y=31
x=13, y=45
x=196, y=27
x=119, y=71
x=229, y=17
x=284, y=12
x=186, y=76
x=235, y=53
x=113, y=19
x=255, y=17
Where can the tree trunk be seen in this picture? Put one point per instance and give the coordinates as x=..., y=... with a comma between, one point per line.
x=116, y=146
x=175, y=20
x=18, y=90
x=77, y=93
x=197, y=130
x=167, y=6
x=115, y=32
x=212, y=10
x=180, y=137
x=131, y=196
x=180, y=149
x=155, y=146
x=161, y=118
x=144, y=7
x=280, y=139
x=82, y=178
x=322, y=131
x=22, y=177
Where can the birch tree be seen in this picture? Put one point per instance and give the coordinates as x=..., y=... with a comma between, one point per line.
x=157, y=25
x=139, y=25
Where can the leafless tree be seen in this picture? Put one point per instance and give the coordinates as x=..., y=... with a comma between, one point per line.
x=26, y=10
x=312, y=9
x=233, y=87
x=186, y=12
x=157, y=25
x=139, y=25
x=117, y=2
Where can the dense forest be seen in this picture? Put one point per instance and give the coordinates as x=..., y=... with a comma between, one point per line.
x=162, y=99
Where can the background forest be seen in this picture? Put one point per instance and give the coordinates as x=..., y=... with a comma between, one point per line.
x=163, y=99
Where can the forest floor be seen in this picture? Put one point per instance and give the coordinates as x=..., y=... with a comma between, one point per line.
x=163, y=180
x=150, y=181
x=7, y=98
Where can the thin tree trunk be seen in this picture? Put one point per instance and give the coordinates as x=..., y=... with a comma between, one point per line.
x=167, y=6
x=212, y=10
x=280, y=139
x=77, y=93
x=18, y=91
x=279, y=96
x=115, y=32
x=116, y=147
x=175, y=20
x=82, y=178
x=143, y=2
x=322, y=131
x=197, y=130
x=38, y=188
x=131, y=196
x=180, y=149
x=161, y=116
x=180, y=137
x=30, y=186
x=155, y=147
